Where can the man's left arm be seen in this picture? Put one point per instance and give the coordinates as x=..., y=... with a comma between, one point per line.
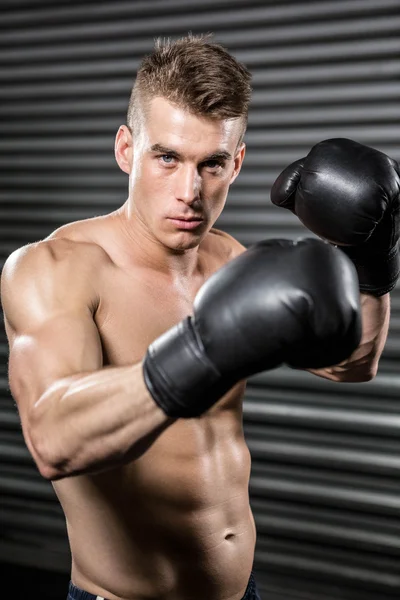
x=349, y=195
x=362, y=365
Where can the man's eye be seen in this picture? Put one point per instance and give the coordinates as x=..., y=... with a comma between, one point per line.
x=167, y=158
x=213, y=164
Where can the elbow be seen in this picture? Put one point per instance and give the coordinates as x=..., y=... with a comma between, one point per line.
x=38, y=454
x=369, y=373
x=43, y=457
x=360, y=377
x=368, y=368
x=360, y=373
x=44, y=452
x=48, y=472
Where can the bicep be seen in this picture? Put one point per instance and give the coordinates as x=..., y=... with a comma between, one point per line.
x=51, y=332
x=56, y=351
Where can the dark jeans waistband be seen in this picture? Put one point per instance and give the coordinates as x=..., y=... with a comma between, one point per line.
x=75, y=593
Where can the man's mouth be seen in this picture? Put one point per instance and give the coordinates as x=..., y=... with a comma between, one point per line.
x=186, y=222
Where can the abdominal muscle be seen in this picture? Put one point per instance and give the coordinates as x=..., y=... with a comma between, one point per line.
x=175, y=524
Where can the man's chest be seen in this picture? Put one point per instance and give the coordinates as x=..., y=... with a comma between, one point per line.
x=134, y=312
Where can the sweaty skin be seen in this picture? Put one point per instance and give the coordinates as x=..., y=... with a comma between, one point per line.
x=176, y=522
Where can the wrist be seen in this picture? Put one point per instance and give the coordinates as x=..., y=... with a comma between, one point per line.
x=377, y=273
x=178, y=374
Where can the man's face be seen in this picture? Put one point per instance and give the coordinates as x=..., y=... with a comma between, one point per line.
x=182, y=167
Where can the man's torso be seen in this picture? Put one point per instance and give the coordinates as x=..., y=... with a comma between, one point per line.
x=176, y=522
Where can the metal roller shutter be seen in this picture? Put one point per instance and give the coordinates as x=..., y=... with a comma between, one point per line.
x=326, y=457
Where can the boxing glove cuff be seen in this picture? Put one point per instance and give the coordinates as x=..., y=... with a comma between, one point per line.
x=377, y=274
x=178, y=374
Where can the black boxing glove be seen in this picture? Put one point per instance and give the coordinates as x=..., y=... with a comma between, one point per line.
x=349, y=194
x=278, y=302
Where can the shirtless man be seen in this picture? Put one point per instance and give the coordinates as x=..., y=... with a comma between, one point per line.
x=131, y=339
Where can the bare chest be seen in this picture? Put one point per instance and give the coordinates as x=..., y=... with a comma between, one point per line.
x=134, y=310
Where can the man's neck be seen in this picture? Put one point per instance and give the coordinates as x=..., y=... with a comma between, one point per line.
x=148, y=252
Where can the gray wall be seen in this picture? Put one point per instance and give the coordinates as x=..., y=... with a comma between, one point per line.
x=326, y=457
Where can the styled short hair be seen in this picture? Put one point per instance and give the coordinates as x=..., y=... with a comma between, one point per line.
x=193, y=73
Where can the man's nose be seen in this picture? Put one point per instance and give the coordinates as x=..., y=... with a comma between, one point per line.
x=187, y=184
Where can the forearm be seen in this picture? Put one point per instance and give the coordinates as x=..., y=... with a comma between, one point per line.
x=362, y=365
x=91, y=422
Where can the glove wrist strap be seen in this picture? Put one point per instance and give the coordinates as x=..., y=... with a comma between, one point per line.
x=378, y=273
x=178, y=374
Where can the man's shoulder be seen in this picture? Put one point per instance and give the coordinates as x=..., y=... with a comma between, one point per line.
x=224, y=244
x=79, y=235
x=54, y=250
x=56, y=260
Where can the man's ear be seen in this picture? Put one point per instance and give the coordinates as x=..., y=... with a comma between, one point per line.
x=238, y=161
x=123, y=149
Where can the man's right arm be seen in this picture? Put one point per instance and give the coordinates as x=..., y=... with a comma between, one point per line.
x=76, y=415
x=80, y=418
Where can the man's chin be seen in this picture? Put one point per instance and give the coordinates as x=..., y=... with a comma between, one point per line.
x=188, y=244
x=186, y=240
